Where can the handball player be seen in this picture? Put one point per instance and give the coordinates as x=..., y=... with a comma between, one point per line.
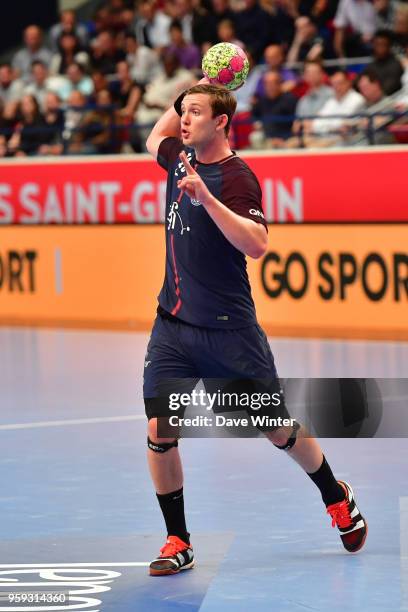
x=206, y=324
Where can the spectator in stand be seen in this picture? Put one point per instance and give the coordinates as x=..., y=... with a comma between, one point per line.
x=274, y=103
x=283, y=14
x=126, y=94
x=68, y=25
x=226, y=33
x=254, y=27
x=99, y=81
x=143, y=62
x=401, y=98
x=187, y=54
x=401, y=27
x=317, y=95
x=182, y=11
x=205, y=24
x=69, y=51
x=307, y=44
x=221, y=9
x=384, y=14
x=344, y=103
x=76, y=108
x=93, y=133
x=105, y=55
x=5, y=130
x=127, y=19
x=78, y=80
x=322, y=12
x=116, y=8
x=245, y=95
x=11, y=88
x=54, y=125
x=370, y=87
x=33, y=50
x=101, y=21
x=274, y=60
x=404, y=79
x=385, y=64
x=120, y=42
x=162, y=91
x=152, y=25
x=355, y=23
x=105, y=18
x=242, y=120
x=39, y=83
x=29, y=134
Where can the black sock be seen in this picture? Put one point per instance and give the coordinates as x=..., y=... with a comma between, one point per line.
x=172, y=506
x=330, y=489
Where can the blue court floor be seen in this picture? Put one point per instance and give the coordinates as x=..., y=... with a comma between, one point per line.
x=78, y=514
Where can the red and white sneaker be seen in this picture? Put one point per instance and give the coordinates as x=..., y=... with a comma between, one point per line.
x=175, y=556
x=351, y=524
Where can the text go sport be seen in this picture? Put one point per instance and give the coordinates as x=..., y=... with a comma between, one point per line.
x=376, y=275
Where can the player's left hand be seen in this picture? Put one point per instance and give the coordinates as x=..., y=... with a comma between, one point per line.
x=192, y=184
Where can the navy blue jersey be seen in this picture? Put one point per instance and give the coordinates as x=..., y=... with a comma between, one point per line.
x=206, y=281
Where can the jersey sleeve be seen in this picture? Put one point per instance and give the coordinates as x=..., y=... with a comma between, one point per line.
x=242, y=194
x=168, y=152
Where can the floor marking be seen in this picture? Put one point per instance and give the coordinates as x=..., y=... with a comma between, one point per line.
x=38, y=424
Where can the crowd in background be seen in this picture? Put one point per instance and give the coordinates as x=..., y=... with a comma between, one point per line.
x=97, y=86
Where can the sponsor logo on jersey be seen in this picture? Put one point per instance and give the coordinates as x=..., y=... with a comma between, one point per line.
x=256, y=213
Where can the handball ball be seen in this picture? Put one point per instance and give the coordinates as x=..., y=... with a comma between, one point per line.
x=226, y=64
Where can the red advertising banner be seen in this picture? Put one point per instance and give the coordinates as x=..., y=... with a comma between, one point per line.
x=367, y=185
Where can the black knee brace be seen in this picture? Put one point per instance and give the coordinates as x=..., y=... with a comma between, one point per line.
x=291, y=440
x=161, y=448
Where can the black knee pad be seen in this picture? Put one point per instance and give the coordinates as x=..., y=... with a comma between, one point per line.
x=291, y=440
x=161, y=448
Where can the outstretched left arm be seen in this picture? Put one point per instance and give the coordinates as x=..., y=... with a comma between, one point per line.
x=246, y=235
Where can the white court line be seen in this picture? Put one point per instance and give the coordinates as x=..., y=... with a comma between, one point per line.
x=36, y=424
x=44, y=565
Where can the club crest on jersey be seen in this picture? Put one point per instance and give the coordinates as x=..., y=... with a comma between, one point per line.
x=195, y=202
x=174, y=218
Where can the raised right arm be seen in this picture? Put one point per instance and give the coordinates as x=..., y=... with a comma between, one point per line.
x=167, y=125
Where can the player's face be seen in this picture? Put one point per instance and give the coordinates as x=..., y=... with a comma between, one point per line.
x=198, y=126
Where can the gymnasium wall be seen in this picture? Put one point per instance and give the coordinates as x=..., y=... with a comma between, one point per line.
x=82, y=243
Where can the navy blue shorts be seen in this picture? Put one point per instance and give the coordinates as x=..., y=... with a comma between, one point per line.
x=183, y=354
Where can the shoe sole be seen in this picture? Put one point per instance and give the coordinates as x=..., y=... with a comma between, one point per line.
x=168, y=572
x=360, y=546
